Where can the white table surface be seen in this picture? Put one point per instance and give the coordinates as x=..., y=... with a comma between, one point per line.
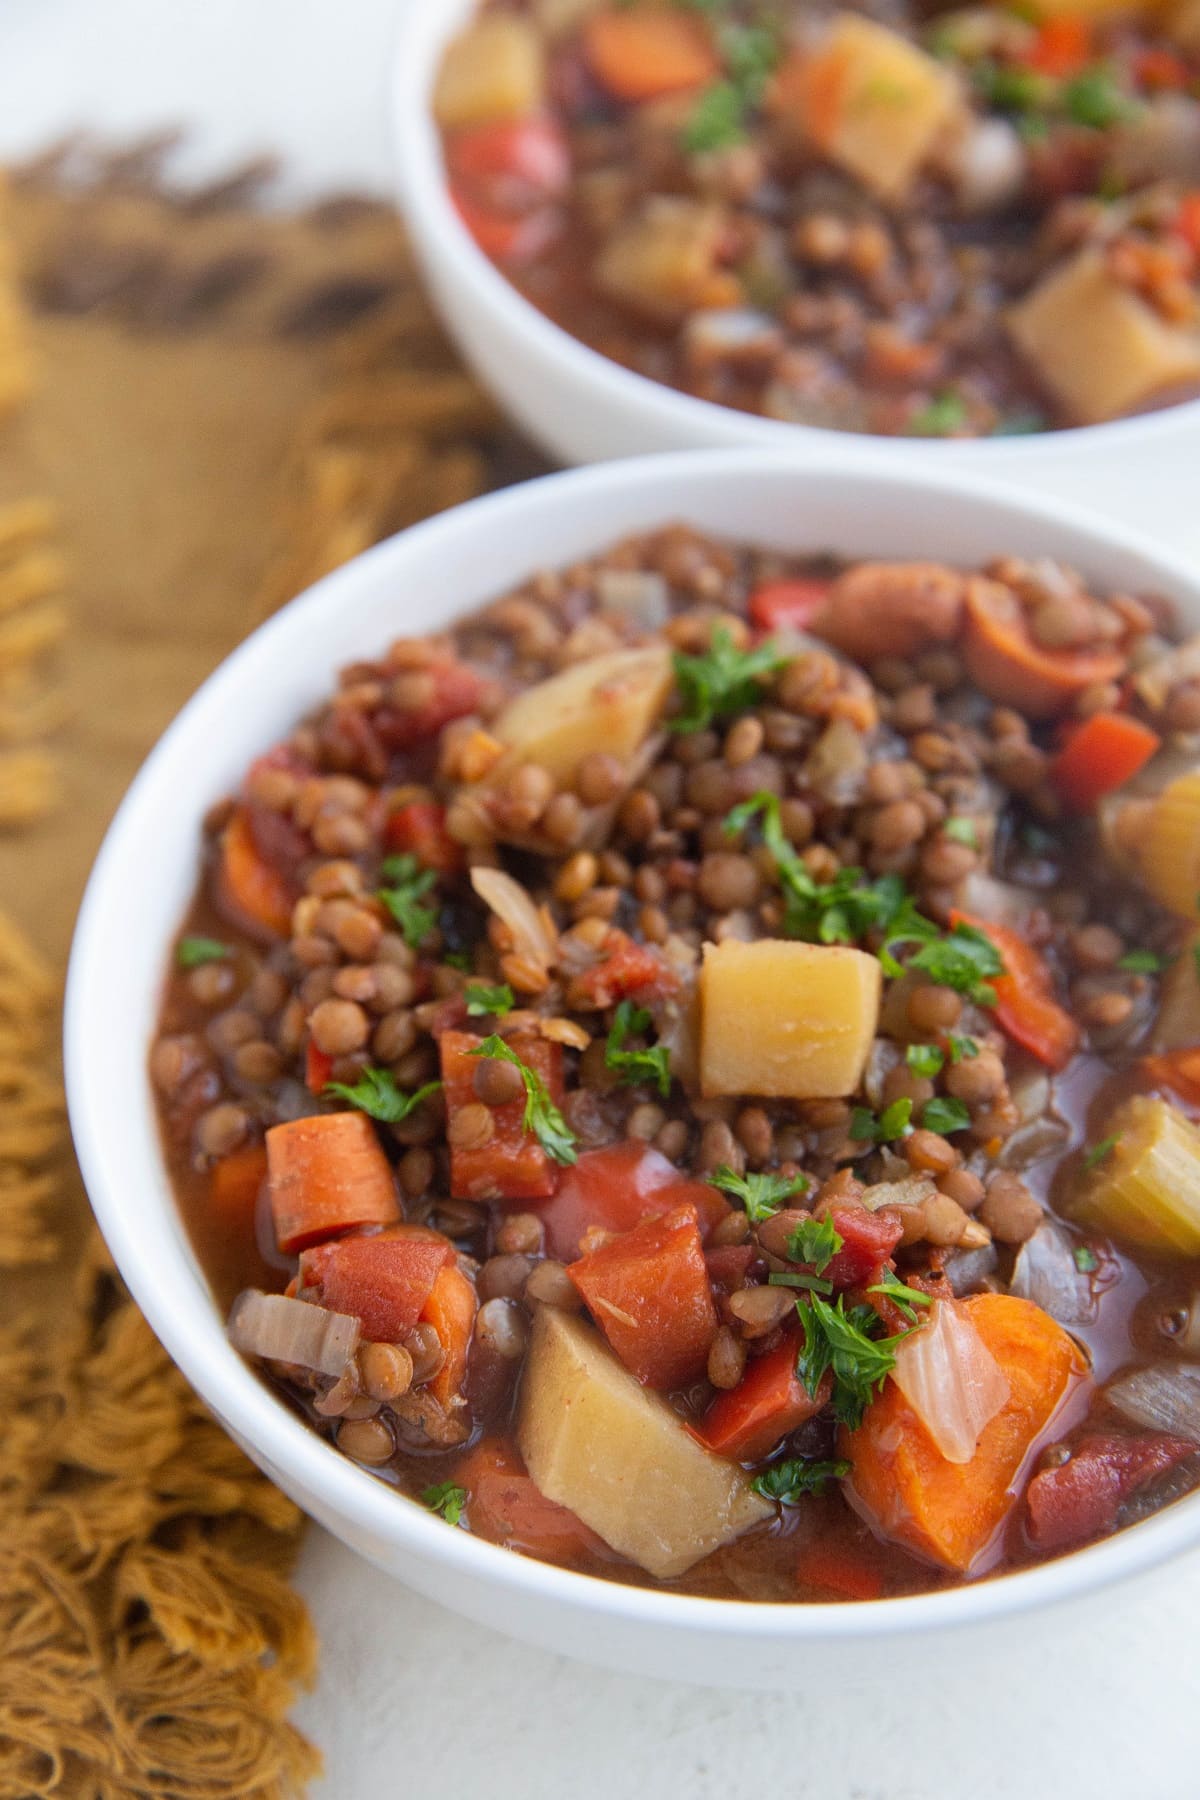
x=410, y=1699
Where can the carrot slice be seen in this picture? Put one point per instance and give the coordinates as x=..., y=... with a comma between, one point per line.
x=504, y=1506
x=385, y=1281
x=768, y=1402
x=1025, y=1006
x=451, y=1309
x=1107, y=751
x=643, y=55
x=839, y=1570
x=951, y=1512
x=249, y=890
x=648, y=1292
x=234, y=1184
x=813, y=91
x=328, y=1174
x=1178, y=1070
x=1003, y=659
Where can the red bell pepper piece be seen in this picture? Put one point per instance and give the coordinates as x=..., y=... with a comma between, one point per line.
x=385, y=1281
x=505, y=1507
x=868, y=1239
x=648, y=1292
x=616, y=1189
x=1025, y=1007
x=512, y=1164
x=419, y=828
x=626, y=971
x=768, y=1403
x=454, y=692
x=783, y=605
x=1102, y=755
x=1082, y=1497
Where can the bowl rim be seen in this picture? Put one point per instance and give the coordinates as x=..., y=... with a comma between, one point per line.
x=188, y=1322
x=422, y=32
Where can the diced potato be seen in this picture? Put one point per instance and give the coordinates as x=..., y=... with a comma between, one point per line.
x=496, y=70
x=871, y=101
x=1097, y=345
x=610, y=702
x=1147, y=1187
x=598, y=1442
x=786, y=1020
x=1178, y=1024
x=662, y=262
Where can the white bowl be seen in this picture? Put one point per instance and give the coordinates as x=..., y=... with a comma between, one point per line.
x=582, y=407
x=142, y=883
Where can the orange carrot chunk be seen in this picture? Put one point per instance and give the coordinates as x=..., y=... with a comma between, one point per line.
x=450, y=1309
x=1025, y=1006
x=512, y=1164
x=385, y=1281
x=951, y=1512
x=1004, y=660
x=848, y=1572
x=234, y=1184
x=1107, y=751
x=1178, y=1071
x=328, y=1174
x=250, y=891
x=768, y=1402
x=505, y=1507
x=643, y=55
x=648, y=1292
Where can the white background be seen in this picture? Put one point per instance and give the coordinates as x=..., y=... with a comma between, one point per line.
x=410, y=1700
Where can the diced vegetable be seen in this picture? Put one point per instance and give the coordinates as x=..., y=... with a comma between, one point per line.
x=1062, y=47
x=504, y=1506
x=787, y=605
x=1169, y=861
x=784, y=1019
x=318, y=1068
x=951, y=1512
x=1002, y=658
x=1025, y=1007
x=870, y=100
x=1178, y=1024
x=384, y=1281
x=234, y=1186
x=450, y=1308
x=494, y=70
x=1178, y=1070
x=950, y=1379
x=868, y=1238
x=1046, y=1271
x=533, y=933
x=514, y=238
x=1165, y=1396
x=1097, y=345
x=328, y=1174
x=616, y=1188
x=1105, y=752
x=641, y=55
x=1082, y=1498
x=648, y=1292
x=1147, y=1189
x=851, y=1572
x=511, y=1165
x=613, y=1451
x=250, y=891
x=768, y=1403
x=608, y=703
x=625, y=970
x=419, y=829
x=663, y=260
x=511, y=165
x=281, y=1329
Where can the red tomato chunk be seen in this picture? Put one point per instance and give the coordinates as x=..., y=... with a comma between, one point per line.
x=648, y=1292
x=385, y=1281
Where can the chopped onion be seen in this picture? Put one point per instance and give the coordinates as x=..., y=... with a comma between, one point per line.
x=1046, y=1273
x=1030, y=1094
x=1003, y=902
x=837, y=763
x=986, y=163
x=884, y=1055
x=729, y=331
x=640, y=594
x=968, y=1270
x=950, y=1379
x=1155, y=681
x=281, y=1329
x=1165, y=1396
x=911, y=1190
x=532, y=933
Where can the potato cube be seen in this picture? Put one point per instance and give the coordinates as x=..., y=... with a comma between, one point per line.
x=786, y=1020
x=662, y=261
x=617, y=1454
x=1098, y=346
x=495, y=70
x=610, y=702
x=871, y=101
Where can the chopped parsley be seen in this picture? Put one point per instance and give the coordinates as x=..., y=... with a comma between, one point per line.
x=761, y=1195
x=842, y=1343
x=1094, y=99
x=893, y=1122
x=407, y=884
x=194, y=952
x=376, y=1094
x=724, y=681
x=789, y=1481
x=944, y=415
x=943, y=1115
x=719, y=116
x=814, y=1284
x=815, y=1241
x=457, y=959
x=447, y=1499
x=1143, y=962
x=635, y=1066
x=962, y=831
x=906, y=1298
x=541, y=1116
x=962, y=1049
x=493, y=1002
x=1098, y=1152
x=717, y=120
x=1086, y=1260
x=1009, y=89
x=924, y=1059
x=963, y=960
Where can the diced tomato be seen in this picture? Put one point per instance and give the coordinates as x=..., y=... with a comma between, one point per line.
x=626, y=971
x=505, y=1507
x=780, y=605
x=768, y=1403
x=455, y=692
x=1081, y=1498
x=728, y=1266
x=1061, y=48
x=1104, y=753
x=510, y=164
x=1025, y=1006
x=842, y=1569
x=1161, y=71
x=868, y=1239
x=318, y=1068
x=648, y=1292
x=512, y=1164
x=450, y=1308
x=1187, y=221
x=504, y=237
x=617, y=1188
x=419, y=827
x=1178, y=1070
x=385, y=1280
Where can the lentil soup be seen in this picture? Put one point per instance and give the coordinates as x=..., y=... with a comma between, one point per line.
x=693, y=1073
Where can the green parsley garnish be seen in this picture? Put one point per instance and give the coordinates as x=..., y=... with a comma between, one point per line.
x=484, y=1001
x=815, y=1241
x=447, y=1499
x=893, y=1122
x=760, y=1195
x=541, y=1116
x=724, y=681
x=962, y=1049
x=719, y=117
x=1094, y=99
x=1086, y=1260
x=407, y=882
x=194, y=952
x=841, y=1342
x=906, y=1298
x=1098, y=1152
x=457, y=959
x=789, y=1481
x=635, y=1066
x=789, y=1279
x=962, y=831
x=717, y=120
x=941, y=418
x=1143, y=962
x=962, y=960
x=376, y=1094
x=1013, y=90
x=924, y=1059
x=944, y=1115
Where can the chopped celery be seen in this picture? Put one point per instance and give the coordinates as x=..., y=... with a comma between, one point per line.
x=1147, y=1189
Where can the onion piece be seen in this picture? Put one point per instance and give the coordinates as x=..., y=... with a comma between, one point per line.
x=950, y=1379
x=1046, y=1273
x=281, y=1329
x=837, y=763
x=910, y=1190
x=1165, y=1396
x=968, y=1270
x=638, y=593
x=533, y=934
x=1003, y=902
